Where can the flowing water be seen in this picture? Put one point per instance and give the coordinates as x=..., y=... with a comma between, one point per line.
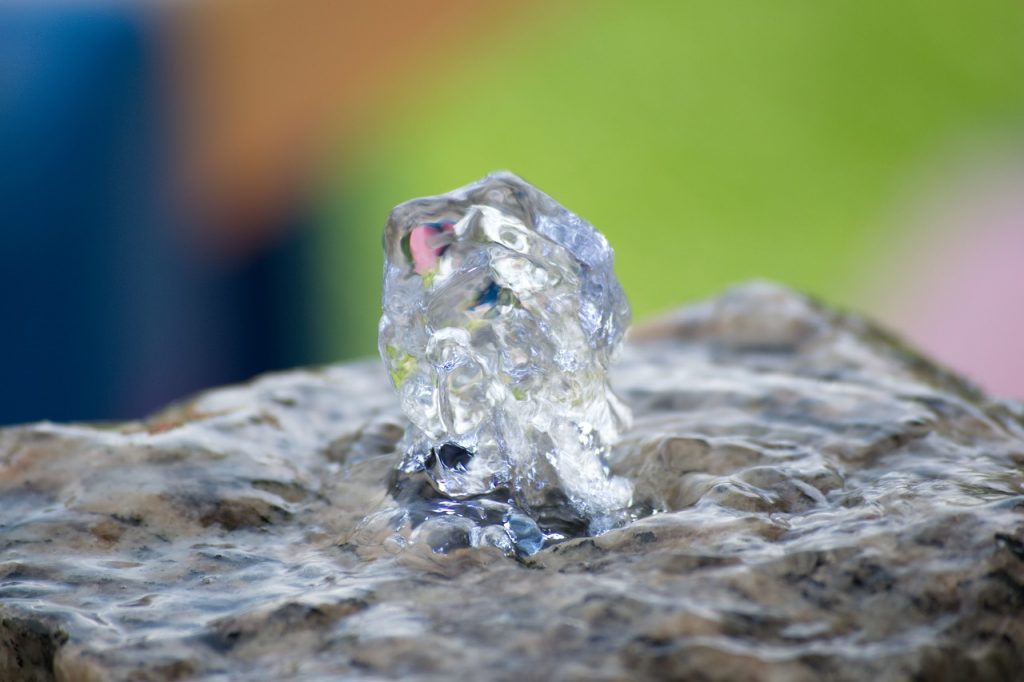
x=811, y=501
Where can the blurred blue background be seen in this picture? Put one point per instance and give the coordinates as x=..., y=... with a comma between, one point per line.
x=192, y=193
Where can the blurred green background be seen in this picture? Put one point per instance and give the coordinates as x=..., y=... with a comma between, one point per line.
x=710, y=141
x=192, y=193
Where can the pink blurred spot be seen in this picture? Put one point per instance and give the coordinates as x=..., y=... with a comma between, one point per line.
x=963, y=301
x=426, y=245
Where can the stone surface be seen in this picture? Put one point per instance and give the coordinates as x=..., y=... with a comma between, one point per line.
x=829, y=506
x=501, y=313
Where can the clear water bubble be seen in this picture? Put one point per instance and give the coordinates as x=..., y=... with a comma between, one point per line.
x=501, y=315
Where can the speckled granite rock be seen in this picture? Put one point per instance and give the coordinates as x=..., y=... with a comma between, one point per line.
x=829, y=506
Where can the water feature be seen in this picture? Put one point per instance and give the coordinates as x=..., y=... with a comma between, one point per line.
x=812, y=501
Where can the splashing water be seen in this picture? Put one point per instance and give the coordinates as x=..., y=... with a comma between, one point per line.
x=501, y=314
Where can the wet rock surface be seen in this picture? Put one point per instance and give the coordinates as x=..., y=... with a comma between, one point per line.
x=826, y=505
